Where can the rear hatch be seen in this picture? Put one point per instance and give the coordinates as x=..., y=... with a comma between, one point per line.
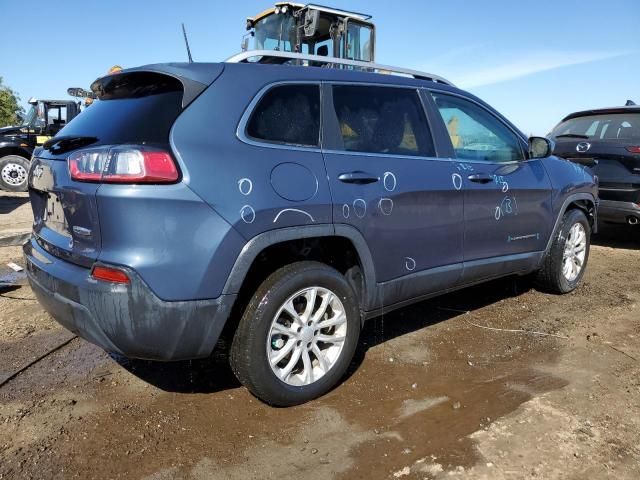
x=609, y=143
x=131, y=120
x=65, y=215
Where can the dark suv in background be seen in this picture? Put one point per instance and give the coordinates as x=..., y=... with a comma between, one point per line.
x=288, y=204
x=608, y=141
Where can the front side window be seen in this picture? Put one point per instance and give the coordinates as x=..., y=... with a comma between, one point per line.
x=56, y=114
x=288, y=114
x=475, y=133
x=359, y=42
x=382, y=120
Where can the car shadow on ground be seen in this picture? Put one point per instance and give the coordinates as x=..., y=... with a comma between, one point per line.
x=617, y=236
x=208, y=375
x=9, y=202
x=214, y=374
x=439, y=309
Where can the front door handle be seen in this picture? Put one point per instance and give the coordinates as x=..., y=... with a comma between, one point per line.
x=359, y=178
x=480, y=178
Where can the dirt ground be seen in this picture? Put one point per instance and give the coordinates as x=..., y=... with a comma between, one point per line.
x=15, y=215
x=431, y=394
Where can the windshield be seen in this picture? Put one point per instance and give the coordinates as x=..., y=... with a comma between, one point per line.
x=614, y=126
x=30, y=117
x=275, y=32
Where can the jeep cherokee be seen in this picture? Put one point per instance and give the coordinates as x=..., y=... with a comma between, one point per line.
x=289, y=204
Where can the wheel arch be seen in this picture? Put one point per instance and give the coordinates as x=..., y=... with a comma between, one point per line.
x=15, y=150
x=313, y=242
x=585, y=202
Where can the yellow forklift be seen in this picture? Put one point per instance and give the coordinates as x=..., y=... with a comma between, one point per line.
x=312, y=30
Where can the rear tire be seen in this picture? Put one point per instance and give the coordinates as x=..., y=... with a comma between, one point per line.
x=566, y=260
x=14, y=173
x=286, y=358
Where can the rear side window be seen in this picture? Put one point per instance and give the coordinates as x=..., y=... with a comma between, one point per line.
x=133, y=108
x=475, y=133
x=287, y=114
x=383, y=120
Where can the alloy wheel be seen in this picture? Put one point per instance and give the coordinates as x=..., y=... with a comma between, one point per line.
x=306, y=336
x=575, y=250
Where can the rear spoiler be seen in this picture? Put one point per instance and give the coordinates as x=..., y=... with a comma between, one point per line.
x=194, y=77
x=603, y=111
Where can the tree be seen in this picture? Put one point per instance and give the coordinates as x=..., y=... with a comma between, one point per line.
x=11, y=112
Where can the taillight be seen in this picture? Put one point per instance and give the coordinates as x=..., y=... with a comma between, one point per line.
x=123, y=164
x=108, y=274
x=635, y=149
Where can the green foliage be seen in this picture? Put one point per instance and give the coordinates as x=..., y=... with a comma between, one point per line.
x=11, y=112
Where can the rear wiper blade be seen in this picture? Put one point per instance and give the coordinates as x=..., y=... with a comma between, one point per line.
x=572, y=135
x=65, y=144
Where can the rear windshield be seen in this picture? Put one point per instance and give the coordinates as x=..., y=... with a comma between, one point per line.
x=615, y=126
x=133, y=108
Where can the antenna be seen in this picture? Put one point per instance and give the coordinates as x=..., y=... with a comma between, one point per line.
x=186, y=42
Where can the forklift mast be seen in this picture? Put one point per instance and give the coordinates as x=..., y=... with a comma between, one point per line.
x=312, y=29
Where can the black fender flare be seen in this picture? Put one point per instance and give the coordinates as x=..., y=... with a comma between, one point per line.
x=14, y=148
x=563, y=209
x=258, y=243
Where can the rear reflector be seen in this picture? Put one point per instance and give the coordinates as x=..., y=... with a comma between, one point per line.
x=634, y=149
x=107, y=274
x=123, y=164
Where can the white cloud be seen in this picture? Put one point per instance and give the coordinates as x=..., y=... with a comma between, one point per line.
x=526, y=65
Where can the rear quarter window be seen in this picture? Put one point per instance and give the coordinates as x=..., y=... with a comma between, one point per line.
x=287, y=114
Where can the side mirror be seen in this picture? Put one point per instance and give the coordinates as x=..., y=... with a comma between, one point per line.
x=540, y=147
x=311, y=20
x=244, y=46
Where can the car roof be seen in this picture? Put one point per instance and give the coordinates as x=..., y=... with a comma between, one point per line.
x=55, y=102
x=603, y=111
x=294, y=72
x=206, y=73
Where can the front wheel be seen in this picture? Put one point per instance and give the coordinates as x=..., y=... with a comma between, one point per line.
x=14, y=171
x=566, y=260
x=298, y=334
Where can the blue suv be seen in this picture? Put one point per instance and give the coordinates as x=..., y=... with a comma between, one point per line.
x=288, y=204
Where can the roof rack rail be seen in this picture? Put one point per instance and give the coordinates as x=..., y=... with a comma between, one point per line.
x=332, y=62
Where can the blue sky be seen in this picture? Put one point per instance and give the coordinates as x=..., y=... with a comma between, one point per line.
x=533, y=61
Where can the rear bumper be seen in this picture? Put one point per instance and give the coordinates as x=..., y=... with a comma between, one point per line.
x=126, y=319
x=617, y=212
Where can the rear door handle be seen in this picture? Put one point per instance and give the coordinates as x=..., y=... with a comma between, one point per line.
x=359, y=178
x=480, y=178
